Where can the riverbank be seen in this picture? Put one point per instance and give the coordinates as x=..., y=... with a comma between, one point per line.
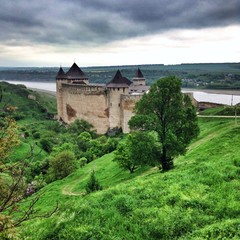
x=214, y=91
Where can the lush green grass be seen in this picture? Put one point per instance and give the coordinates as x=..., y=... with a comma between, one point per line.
x=28, y=109
x=223, y=110
x=198, y=199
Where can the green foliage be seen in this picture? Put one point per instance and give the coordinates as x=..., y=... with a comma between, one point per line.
x=165, y=110
x=137, y=149
x=198, y=199
x=43, y=106
x=83, y=161
x=62, y=165
x=79, y=126
x=46, y=144
x=93, y=184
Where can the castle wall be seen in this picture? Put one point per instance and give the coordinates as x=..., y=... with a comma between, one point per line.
x=86, y=102
x=127, y=105
x=114, y=97
x=60, y=97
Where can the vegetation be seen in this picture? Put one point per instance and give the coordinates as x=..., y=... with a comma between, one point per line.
x=222, y=111
x=62, y=165
x=198, y=199
x=93, y=184
x=138, y=149
x=171, y=115
x=13, y=185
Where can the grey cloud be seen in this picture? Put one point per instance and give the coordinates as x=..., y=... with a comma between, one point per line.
x=101, y=21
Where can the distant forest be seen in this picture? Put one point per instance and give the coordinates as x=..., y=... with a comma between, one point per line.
x=206, y=75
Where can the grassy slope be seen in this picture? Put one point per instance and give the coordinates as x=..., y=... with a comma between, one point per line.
x=34, y=114
x=199, y=199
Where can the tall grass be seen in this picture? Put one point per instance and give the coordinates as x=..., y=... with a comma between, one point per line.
x=199, y=199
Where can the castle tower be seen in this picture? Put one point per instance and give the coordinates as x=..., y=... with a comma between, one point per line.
x=118, y=86
x=73, y=76
x=139, y=79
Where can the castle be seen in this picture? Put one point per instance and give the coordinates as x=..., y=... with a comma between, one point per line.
x=106, y=106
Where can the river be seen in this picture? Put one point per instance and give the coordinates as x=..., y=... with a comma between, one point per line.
x=228, y=97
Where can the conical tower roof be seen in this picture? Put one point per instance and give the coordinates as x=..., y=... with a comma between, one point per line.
x=119, y=81
x=61, y=74
x=139, y=74
x=75, y=72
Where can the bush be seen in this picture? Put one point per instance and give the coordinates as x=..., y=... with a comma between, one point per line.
x=61, y=165
x=46, y=144
x=36, y=135
x=93, y=184
x=83, y=162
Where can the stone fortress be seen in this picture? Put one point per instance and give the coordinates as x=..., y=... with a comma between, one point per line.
x=107, y=107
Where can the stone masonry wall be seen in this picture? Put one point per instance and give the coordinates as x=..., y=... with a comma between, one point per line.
x=86, y=102
x=127, y=105
x=114, y=96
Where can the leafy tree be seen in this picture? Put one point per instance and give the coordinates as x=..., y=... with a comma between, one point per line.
x=8, y=136
x=12, y=179
x=79, y=126
x=84, y=141
x=62, y=165
x=139, y=148
x=93, y=184
x=167, y=111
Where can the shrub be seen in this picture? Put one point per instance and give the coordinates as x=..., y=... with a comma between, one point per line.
x=93, y=184
x=61, y=165
x=36, y=135
x=83, y=162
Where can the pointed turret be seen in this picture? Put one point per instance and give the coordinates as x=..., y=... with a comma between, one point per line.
x=119, y=81
x=75, y=73
x=61, y=74
x=139, y=74
x=139, y=79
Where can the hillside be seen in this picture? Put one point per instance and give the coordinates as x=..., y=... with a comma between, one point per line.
x=30, y=105
x=198, y=199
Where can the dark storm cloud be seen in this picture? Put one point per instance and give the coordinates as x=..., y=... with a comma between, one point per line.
x=99, y=21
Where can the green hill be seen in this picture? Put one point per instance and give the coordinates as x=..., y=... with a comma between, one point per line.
x=34, y=111
x=31, y=105
x=198, y=199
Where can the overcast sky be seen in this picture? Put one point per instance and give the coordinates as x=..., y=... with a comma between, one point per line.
x=118, y=32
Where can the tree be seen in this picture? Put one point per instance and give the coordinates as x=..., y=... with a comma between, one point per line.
x=79, y=126
x=62, y=165
x=93, y=184
x=139, y=148
x=167, y=111
x=13, y=187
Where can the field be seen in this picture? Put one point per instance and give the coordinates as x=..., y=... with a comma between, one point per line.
x=199, y=199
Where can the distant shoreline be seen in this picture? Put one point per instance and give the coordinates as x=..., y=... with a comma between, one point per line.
x=214, y=91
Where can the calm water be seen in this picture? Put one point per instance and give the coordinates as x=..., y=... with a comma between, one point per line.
x=228, y=99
